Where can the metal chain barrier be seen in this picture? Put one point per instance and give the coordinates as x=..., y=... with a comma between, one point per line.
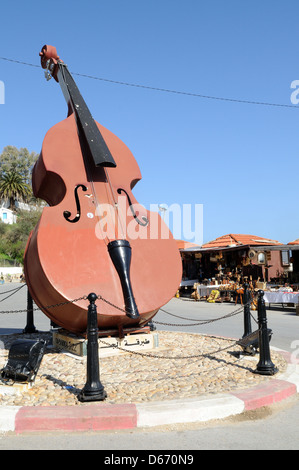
x=239, y=310
x=155, y=356
x=60, y=304
x=100, y=297
x=202, y=322
x=14, y=291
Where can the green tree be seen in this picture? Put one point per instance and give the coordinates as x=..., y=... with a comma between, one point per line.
x=17, y=160
x=13, y=187
x=13, y=238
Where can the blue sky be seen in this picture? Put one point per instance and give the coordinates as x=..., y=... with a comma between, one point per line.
x=241, y=161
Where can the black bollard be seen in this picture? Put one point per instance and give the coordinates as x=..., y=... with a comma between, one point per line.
x=247, y=315
x=265, y=365
x=93, y=389
x=29, y=328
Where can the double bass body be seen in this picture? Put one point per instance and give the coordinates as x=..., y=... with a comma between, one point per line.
x=84, y=234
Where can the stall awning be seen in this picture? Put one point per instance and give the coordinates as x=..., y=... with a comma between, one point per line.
x=242, y=247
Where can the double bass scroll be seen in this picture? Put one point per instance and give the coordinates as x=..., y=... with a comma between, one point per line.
x=86, y=125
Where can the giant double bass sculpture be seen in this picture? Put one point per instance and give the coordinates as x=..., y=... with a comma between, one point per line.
x=94, y=236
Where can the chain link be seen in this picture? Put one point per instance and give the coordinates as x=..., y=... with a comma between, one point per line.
x=155, y=356
x=204, y=322
x=110, y=303
x=14, y=289
x=60, y=304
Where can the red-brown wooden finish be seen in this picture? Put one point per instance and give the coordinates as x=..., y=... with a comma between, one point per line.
x=66, y=261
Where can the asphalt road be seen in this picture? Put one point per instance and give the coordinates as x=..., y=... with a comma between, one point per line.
x=270, y=428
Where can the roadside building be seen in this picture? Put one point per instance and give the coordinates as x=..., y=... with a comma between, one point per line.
x=235, y=256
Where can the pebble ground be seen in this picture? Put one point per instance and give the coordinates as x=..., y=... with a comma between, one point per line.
x=187, y=366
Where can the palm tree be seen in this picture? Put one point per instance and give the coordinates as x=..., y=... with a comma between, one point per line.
x=13, y=187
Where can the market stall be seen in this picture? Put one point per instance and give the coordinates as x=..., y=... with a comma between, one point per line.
x=220, y=269
x=221, y=293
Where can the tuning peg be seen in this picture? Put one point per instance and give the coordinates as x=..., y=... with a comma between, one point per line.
x=49, y=60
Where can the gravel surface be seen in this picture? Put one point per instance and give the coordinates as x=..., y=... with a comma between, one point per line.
x=184, y=365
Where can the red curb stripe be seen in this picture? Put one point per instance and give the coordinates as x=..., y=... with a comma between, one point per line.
x=266, y=394
x=82, y=418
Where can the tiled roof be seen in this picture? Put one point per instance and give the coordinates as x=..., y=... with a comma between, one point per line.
x=234, y=239
x=182, y=244
x=294, y=242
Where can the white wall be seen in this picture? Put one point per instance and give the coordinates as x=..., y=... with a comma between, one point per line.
x=10, y=216
x=11, y=270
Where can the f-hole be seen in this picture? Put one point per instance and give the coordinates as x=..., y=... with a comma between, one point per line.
x=144, y=221
x=67, y=214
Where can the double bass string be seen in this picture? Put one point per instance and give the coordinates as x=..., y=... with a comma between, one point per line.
x=113, y=209
x=116, y=207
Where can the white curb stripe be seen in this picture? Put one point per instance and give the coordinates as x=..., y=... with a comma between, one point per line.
x=291, y=375
x=8, y=417
x=292, y=372
x=190, y=410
